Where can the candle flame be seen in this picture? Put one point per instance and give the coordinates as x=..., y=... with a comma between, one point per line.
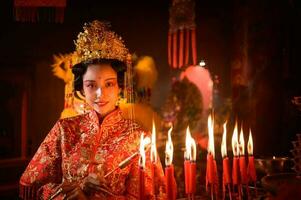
x=235, y=147
x=146, y=141
x=250, y=143
x=153, y=152
x=211, y=136
x=169, y=149
x=142, y=152
x=187, y=153
x=241, y=142
x=190, y=150
x=224, y=141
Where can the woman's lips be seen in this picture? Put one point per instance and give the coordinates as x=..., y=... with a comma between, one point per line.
x=101, y=103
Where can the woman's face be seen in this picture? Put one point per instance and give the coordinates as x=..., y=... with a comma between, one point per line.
x=100, y=88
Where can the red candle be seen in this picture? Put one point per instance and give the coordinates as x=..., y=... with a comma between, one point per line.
x=242, y=159
x=153, y=156
x=251, y=166
x=192, y=183
x=226, y=168
x=169, y=170
x=141, y=194
x=235, y=171
x=235, y=148
x=187, y=171
x=169, y=174
x=190, y=164
x=251, y=169
x=210, y=156
x=226, y=178
x=211, y=176
x=211, y=169
x=243, y=170
x=153, y=174
x=141, y=184
x=226, y=171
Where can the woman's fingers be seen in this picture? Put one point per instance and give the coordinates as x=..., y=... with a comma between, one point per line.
x=75, y=193
x=94, y=183
x=67, y=187
x=91, y=184
x=93, y=178
x=105, y=186
x=90, y=187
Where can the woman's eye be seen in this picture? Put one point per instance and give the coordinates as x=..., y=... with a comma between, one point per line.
x=110, y=84
x=90, y=86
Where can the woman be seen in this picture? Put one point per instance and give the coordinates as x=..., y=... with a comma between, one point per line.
x=79, y=158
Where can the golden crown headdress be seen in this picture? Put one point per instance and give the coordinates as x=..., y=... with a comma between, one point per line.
x=99, y=42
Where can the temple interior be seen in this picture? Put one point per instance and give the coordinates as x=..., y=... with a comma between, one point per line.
x=243, y=67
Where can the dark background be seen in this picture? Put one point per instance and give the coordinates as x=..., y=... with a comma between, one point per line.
x=26, y=52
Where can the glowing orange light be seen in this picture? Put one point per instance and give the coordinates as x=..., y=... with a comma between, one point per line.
x=250, y=144
x=241, y=143
x=224, y=141
x=211, y=136
x=190, y=150
x=153, y=152
x=235, y=147
x=169, y=149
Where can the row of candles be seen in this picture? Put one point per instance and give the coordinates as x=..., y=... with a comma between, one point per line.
x=242, y=172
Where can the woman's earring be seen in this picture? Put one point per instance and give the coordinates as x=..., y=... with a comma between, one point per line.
x=85, y=107
x=120, y=96
x=118, y=102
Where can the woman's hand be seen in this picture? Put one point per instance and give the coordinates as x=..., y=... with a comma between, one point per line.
x=95, y=183
x=72, y=191
x=91, y=184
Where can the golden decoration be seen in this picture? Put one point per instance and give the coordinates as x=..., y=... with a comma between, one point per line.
x=97, y=41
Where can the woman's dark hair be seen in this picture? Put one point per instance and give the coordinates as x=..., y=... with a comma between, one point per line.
x=80, y=69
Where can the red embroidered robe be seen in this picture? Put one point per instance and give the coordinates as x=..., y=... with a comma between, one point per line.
x=76, y=145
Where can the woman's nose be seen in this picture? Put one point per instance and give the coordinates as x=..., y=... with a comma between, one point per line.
x=98, y=93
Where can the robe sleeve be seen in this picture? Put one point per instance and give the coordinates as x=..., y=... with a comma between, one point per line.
x=132, y=183
x=45, y=166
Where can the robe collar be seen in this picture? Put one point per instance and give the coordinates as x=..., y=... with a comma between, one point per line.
x=109, y=120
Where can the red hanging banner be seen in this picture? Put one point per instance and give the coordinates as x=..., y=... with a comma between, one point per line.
x=40, y=3
x=182, y=31
x=28, y=10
